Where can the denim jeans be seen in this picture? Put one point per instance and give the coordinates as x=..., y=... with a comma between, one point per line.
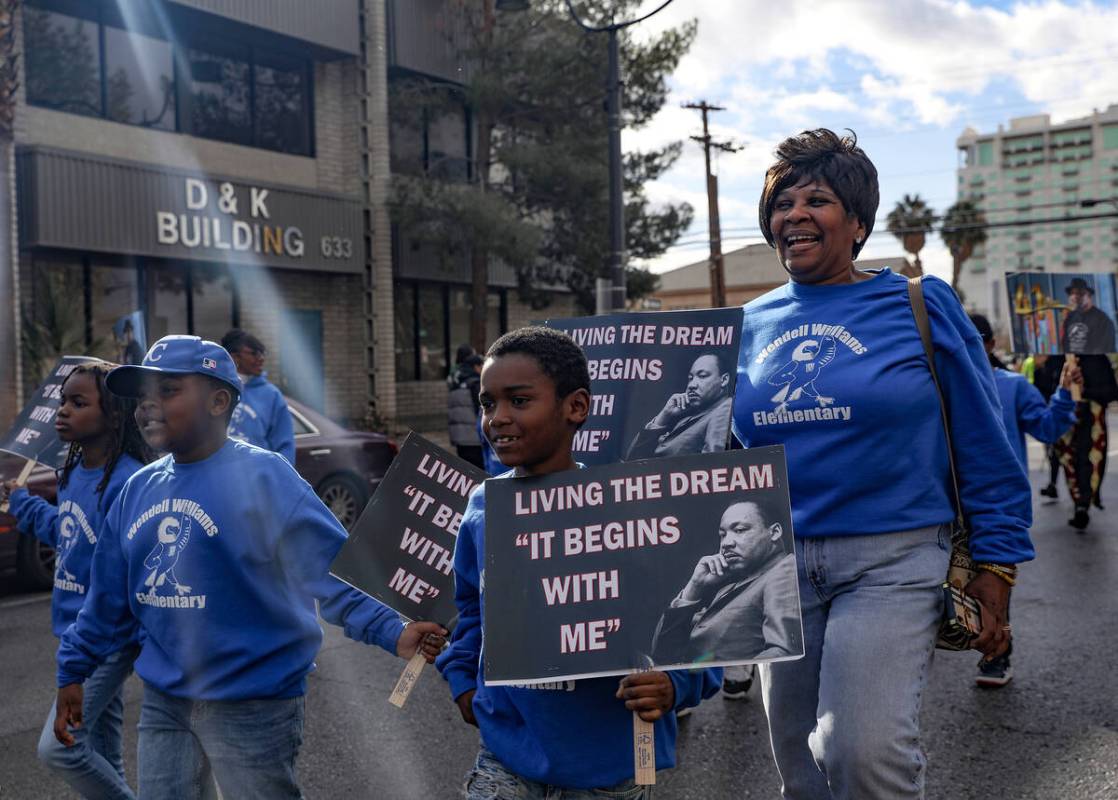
x=490, y=780
x=94, y=766
x=190, y=747
x=845, y=720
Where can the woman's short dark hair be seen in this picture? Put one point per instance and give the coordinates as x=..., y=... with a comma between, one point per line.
x=560, y=359
x=823, y=155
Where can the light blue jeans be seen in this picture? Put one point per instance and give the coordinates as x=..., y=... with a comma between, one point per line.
x=94, y=766
x=490, y=780
x=845, y=719
x=248, y=747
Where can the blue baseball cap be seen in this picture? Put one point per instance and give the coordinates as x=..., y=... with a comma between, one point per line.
x=177, y=355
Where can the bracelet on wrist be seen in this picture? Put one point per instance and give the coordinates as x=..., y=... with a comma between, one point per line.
x=1007, y=574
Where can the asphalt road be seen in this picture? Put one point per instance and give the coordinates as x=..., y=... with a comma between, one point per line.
x=1053, y=733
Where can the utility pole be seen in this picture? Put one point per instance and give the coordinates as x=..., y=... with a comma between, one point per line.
x=717, y=272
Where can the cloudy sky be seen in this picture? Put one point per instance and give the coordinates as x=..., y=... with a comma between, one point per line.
x=908, y=76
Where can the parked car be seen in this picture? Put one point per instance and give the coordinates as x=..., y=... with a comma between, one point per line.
x=344, y=466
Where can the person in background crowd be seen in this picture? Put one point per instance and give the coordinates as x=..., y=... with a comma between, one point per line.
x=1046, y=378
x=131, y=351
x=105, y=450
x=463, y=408
x=869, y=478
x=1082, y=451
x=261, y=418
x=1023, y=411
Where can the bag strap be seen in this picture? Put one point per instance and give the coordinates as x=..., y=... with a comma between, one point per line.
x=920, y=312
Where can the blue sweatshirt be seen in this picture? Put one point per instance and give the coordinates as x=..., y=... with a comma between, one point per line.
x=1024, y=411
x=220, y=561
x=573, y=734
x=838, y=375
x=262, y=418
x=71, y=528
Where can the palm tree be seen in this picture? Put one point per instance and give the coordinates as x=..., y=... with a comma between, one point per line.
x=964, y=228
x=910, y=220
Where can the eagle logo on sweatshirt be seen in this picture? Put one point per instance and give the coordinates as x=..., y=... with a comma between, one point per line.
x=172, y=538
x=67, y=538
x=797, y=377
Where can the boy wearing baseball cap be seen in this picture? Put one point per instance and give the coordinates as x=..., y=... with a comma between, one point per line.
x=217, y=552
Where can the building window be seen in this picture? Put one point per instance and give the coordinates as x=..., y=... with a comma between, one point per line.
x=281, y=98
x=140, y=80
x=211, y=306
x=1110, y=137
x=62, y=61
x=429, y=131
x=165, y=295
x=985, y=154
x=432, y=319
x=219, y=96
x=82, y=64
x=407, y=367
x=114, y=292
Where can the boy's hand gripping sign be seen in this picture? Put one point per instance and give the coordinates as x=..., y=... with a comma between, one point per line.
x=401, y=551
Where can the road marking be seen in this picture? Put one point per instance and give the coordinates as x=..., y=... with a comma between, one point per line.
x=25, y=601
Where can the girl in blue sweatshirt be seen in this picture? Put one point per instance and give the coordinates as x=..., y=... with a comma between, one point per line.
x=105, y=449
x=218, y=552
x=1023, y=411
x=574, y=735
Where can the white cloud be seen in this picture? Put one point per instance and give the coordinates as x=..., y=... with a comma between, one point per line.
x=892, y=68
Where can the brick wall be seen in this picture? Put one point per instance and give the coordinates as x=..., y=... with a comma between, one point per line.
x=265, y=294
x=336, y=127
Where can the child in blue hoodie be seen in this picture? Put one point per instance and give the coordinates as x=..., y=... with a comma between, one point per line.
x=576, y=735
x=105, y=449
x=218, y=551
x=261, y=417
x=1023, y=411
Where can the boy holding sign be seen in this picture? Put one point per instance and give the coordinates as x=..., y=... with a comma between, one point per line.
x=535, y=394
x=218, y=552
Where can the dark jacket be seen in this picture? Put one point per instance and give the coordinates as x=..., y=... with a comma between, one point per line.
x=463, y=406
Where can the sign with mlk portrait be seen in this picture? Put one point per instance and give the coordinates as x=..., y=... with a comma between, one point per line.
x=662, y=382
x=668, y=563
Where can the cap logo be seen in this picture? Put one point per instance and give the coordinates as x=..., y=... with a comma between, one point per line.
x=156, y=351
x=209, y=363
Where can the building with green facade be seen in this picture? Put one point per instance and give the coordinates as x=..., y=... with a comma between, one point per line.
x=1050, y=194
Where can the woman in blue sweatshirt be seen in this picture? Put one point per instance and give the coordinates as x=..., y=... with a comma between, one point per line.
x=218, y=552
x=832, y=367
x=105, y=449
x=547, y=740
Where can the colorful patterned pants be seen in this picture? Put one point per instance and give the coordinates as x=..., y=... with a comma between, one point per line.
x=1082, y=452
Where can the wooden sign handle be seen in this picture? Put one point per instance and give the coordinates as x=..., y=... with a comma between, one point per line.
x=21, y=481
x=1076, y=389
x=644, y=752
x=408, y=678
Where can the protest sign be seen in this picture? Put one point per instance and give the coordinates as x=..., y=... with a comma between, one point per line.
x=667, y=563
x=1062, y=312
x=401, y=551
x=32, y=435
x=662, y=382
